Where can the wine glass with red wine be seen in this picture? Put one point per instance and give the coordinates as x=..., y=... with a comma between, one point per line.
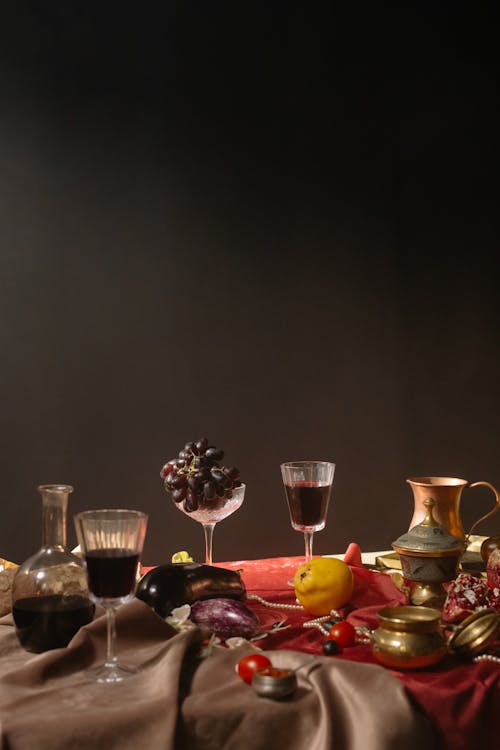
x=308, y=487
x=111, y=543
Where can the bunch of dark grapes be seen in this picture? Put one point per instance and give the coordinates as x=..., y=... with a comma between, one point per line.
x=197, y=477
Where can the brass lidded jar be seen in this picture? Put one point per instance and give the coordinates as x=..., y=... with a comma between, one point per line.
x=429, y=557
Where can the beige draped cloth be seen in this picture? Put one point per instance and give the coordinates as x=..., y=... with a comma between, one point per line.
x=178, y=702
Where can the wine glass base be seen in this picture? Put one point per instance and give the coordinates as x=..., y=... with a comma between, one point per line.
x=109, y=673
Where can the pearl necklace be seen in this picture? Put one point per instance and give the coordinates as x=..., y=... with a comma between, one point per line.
x=486, y=657
x=275, y=605
x=362, y=632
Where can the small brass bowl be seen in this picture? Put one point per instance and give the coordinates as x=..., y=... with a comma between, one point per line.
x=409, y=637
x=271, y=682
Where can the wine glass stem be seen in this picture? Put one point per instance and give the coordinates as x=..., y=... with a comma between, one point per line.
x=308, y=539
x=208, y=528
x=111, y=629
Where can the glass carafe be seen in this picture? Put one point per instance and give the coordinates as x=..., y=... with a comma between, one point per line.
x=50, y=600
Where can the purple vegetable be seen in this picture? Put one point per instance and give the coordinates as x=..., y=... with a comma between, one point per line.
x=226, y=618
x=173, y=584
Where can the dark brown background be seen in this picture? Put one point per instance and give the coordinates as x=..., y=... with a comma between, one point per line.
x=271, y=224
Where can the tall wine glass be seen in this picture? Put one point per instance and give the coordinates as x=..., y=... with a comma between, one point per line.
x=308, y=487
x=208, y=513
x=111, y=543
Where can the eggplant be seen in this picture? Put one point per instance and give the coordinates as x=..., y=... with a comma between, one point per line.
x=226, y=618
x=174, y=584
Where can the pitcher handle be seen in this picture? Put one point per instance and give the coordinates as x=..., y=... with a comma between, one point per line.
x=490, y=513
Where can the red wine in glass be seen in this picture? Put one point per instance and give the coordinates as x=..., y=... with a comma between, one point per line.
x=111, y=541
x=308, y=487
x=111, y=572
x=308, y=503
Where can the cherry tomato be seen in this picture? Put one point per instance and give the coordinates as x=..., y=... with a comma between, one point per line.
x=249, y=664
x=342, y=633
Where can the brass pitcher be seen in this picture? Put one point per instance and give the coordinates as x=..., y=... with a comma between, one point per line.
x=446, y=493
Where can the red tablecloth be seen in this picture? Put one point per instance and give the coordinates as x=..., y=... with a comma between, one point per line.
x=462, y=698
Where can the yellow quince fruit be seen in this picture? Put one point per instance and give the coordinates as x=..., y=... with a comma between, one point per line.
x=323, y=584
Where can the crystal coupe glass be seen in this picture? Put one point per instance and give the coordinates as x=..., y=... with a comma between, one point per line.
x=210, y=514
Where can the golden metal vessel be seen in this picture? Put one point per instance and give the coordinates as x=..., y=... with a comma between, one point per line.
x=409, y=637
